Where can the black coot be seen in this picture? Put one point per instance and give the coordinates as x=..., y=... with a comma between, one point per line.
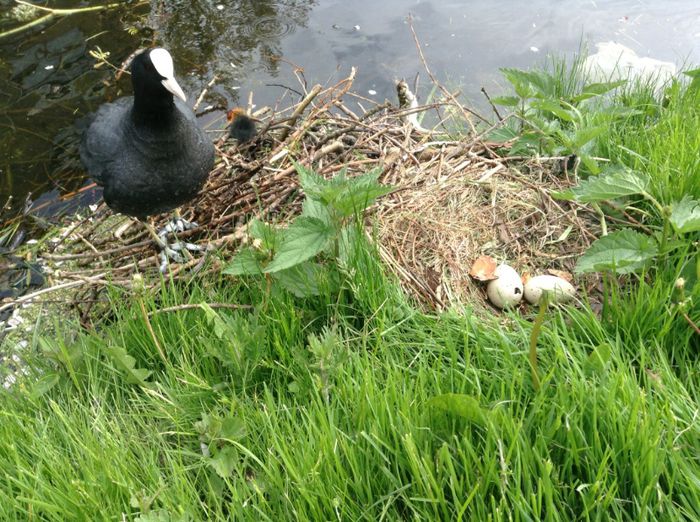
x=147, y=151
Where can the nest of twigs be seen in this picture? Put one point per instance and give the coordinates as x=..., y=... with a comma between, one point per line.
x=455, y=198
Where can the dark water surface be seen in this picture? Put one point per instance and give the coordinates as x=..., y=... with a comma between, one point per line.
x=48, y=81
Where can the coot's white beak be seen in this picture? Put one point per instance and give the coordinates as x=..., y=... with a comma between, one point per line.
x=163, y=63
x=173, y=87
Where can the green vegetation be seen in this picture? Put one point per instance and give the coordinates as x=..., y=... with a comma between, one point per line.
x=342, y=401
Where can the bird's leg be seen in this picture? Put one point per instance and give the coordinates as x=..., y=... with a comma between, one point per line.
x=173, y=250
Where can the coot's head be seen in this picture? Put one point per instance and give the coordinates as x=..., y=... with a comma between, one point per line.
x=153, y=79
x=242, y=126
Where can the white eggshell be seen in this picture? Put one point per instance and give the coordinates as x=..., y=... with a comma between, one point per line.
x=560, y=290
x=507, y=290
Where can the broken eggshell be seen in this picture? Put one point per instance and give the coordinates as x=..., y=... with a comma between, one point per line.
x=559, y=289
x=507, y=289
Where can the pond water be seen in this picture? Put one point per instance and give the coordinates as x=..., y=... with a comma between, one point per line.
x=48, y=80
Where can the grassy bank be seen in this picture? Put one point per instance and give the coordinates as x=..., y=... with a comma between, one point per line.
x=355, y=405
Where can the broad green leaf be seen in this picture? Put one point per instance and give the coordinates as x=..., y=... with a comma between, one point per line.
x=685, y=216
x=304, y=279
x=265, y=232
x=520, y=81
x=312, y=183
x=598, y=359
x=528, y=143
x=225, y=460
x=232, y=428
x=554, y=108
x=614, y=182
x=502, y=135
x=304, y=238
x=245, y=262
x=127, y=364
x=316, y=209
x=44, y=384
x=585, y=135
x=694, y=73
x=464, y=406
x=596, y=89
x=506, y=101
x=222, y=330
x=617, y=112
x=359, y=193
x=622, y=252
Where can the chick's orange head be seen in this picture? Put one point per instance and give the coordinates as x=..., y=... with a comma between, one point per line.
x=234, y=113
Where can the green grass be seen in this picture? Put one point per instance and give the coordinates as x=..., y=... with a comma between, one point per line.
x=357, y=406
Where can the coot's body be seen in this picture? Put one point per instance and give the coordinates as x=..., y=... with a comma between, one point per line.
x=148, y=151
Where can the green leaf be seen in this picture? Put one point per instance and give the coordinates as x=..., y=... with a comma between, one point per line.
x=265, y=232
x=520, y=81
x=303, y=280
x=582, y=136
x=44, y=384
x=245, y=262
x=359, y=193
x=232, y=428
x=622, y=252
x=224, y=462
x=312, y=183
x=598, y=359
x=506, y=101
x=695, y=73
x=614, y=182
x=127, y=364
x=502, y=135
x=528, y=143
x=685, y=216
x=554, y=108
x=596, y=89
x=316, y=209
x=222, y=330
x=304, y=238
x=464, y=406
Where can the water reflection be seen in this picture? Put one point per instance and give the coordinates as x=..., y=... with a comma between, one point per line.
x=48, y=83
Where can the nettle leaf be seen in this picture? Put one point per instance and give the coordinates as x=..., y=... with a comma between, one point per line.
x=622, y=252
x=502, y=135
x=222, y=329
x=232, y=428
x=245, y=262
x=225, y=460
x=506, y=101
x=312, y=183
x=127, y=364
x=596, y=89
x=553, y=107
x=359, y=193
x=520, y=80
x=685, y=216
x=585, y=135
x=614, y=182
x=465, y=406
x=305, y=237
x=303, y=280
x=44, y=384
x=265, y=232
x=316, y=209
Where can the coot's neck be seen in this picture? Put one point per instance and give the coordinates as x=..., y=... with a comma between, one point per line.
x=153, y=109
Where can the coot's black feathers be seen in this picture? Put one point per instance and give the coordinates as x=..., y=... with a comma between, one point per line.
x=147, y=151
